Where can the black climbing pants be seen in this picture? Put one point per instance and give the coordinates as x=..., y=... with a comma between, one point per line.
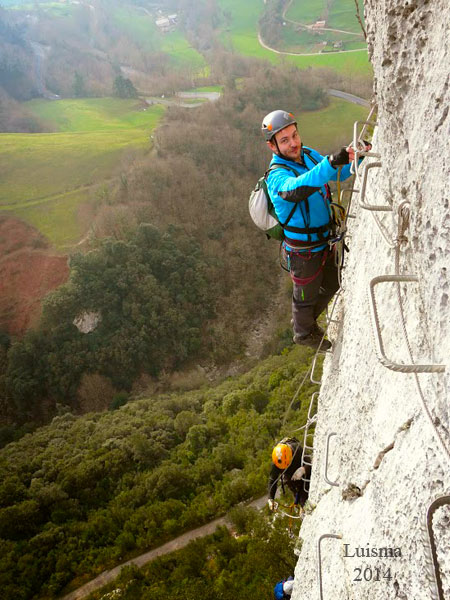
x=315, y=279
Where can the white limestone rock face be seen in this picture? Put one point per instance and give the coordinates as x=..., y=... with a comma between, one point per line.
x=386, y=456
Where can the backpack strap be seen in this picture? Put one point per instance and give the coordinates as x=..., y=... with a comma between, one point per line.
x=320, y=231
x=280, y=166
x=308, y=153
x=287, y=168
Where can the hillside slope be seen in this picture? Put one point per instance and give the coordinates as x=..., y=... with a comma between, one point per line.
x=28, y=271
x=386, y=458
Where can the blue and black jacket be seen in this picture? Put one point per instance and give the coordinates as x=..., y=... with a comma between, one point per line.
x=305, y=196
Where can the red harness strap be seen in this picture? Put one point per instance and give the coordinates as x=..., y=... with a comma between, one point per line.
x=307, y=280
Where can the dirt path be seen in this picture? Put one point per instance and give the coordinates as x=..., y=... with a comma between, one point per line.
x=176, y=544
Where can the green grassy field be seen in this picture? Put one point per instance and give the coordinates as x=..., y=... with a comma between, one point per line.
x=183, y=55
x=47, y=176
x=141, y=27
x=137, y=24
x=341, y=14
x=347, y=63
x=326, y=128
x=95, y=114
x=55, y=8
x=307, y=41
x=57, y=218
x=208, y=88
x=242, y=30
x=241, y=34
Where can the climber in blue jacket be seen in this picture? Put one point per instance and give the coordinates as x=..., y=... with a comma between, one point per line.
x=301, y=198
x=283, y=589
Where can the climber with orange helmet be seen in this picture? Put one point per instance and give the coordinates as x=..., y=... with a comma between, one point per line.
x=287, y=468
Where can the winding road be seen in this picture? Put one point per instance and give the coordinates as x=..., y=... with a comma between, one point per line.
x=176, y=544
x=264, y=45
x=349, y=97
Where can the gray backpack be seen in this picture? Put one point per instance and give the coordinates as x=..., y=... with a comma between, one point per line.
x=262, y=211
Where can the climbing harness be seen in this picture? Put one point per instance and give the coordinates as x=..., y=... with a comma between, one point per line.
x=292, y=512
x=302, y=281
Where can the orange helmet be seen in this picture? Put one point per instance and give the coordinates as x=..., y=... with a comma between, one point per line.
x=282, y=455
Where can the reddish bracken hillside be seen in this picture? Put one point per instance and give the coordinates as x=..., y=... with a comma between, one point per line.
x=28, y=271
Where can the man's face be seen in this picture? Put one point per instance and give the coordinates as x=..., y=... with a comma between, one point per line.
x=289, y=143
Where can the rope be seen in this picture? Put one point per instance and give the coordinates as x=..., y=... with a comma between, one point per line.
x=295, y=398
x=290, y=515
x=403, y=224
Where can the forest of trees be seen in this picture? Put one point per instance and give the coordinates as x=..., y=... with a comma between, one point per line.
x=222, y=566
x=174, y=274
x=182, y=289
x=85, y=493
x=153, y=297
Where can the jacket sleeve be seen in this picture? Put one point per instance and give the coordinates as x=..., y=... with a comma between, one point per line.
x=297, y=463
x=281, y=182
x=345, y=171
x=274, y=476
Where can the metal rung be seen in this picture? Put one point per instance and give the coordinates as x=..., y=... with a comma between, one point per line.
x=356, y=139
x=374, y=207
x=355, y=163
x=432, y=563
x=311, y=402
x=309, y=421
x=325, y=472
x=311, y=377
x=386, y=362
x=335, y=536
x=362, y=193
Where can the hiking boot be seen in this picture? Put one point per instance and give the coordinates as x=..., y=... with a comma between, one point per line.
x=316, y=329
x=312, y=340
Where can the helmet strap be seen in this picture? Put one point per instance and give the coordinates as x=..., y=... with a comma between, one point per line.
x=278, y=150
